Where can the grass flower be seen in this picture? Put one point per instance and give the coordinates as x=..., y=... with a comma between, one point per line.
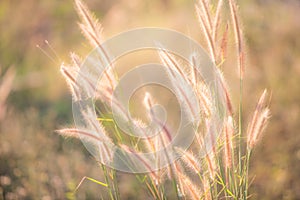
x=222, y=172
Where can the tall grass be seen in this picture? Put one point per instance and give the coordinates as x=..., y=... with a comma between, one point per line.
x=223, y=172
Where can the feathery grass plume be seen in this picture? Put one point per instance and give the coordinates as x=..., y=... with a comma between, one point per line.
x=259, y=127
x=92, y=138
x=118, y=108
x=210, y=149
x=216, y=21
x=206, y=188
x=225, y=91
x=242, y=190
x=79, y=81
x=91, y=119
x=228, y=150
x=90, y=26
x=209, y=168
x=207, y=33
x=211, y=164
x=5, y=88
x=206, y=14
x=160, y=140
x=80, y=133
x=141, y=158
x=169, y=60
x=77, y=61
x=141, y=131
x=152, y=143
x=190, y=160
x=205, y=100
x=178, y=80
x=105, y=150
x=105, y=72
x=99, y=71
x=92, y=30
x=193, y=71
x=191, y=189
x=259, y=121
x=199, y=139
x=223, y=47
x=238, y=38
x=75, y=71
x=70, y=75
x=166, y=137
x=158, y=177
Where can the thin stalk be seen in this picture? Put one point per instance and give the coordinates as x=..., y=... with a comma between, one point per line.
x=247, y=173
x=175, y=185
x=174, y=182
x=240, y=139
x=104, y=169
x=115, y=184
x=215, y=186
x=233, y=174
x=156, y=193
x=211, y=190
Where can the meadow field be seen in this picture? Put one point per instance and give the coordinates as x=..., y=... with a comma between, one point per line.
x=38, y=163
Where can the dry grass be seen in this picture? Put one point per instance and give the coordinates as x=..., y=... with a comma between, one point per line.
x=36, y=163
x=223, y=172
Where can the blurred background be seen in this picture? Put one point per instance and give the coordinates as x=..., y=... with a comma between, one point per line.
x=36, y=163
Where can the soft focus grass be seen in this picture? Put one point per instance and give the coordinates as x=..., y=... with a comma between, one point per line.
x=36, y=164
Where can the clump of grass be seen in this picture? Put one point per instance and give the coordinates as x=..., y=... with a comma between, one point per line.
x=223, y=171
